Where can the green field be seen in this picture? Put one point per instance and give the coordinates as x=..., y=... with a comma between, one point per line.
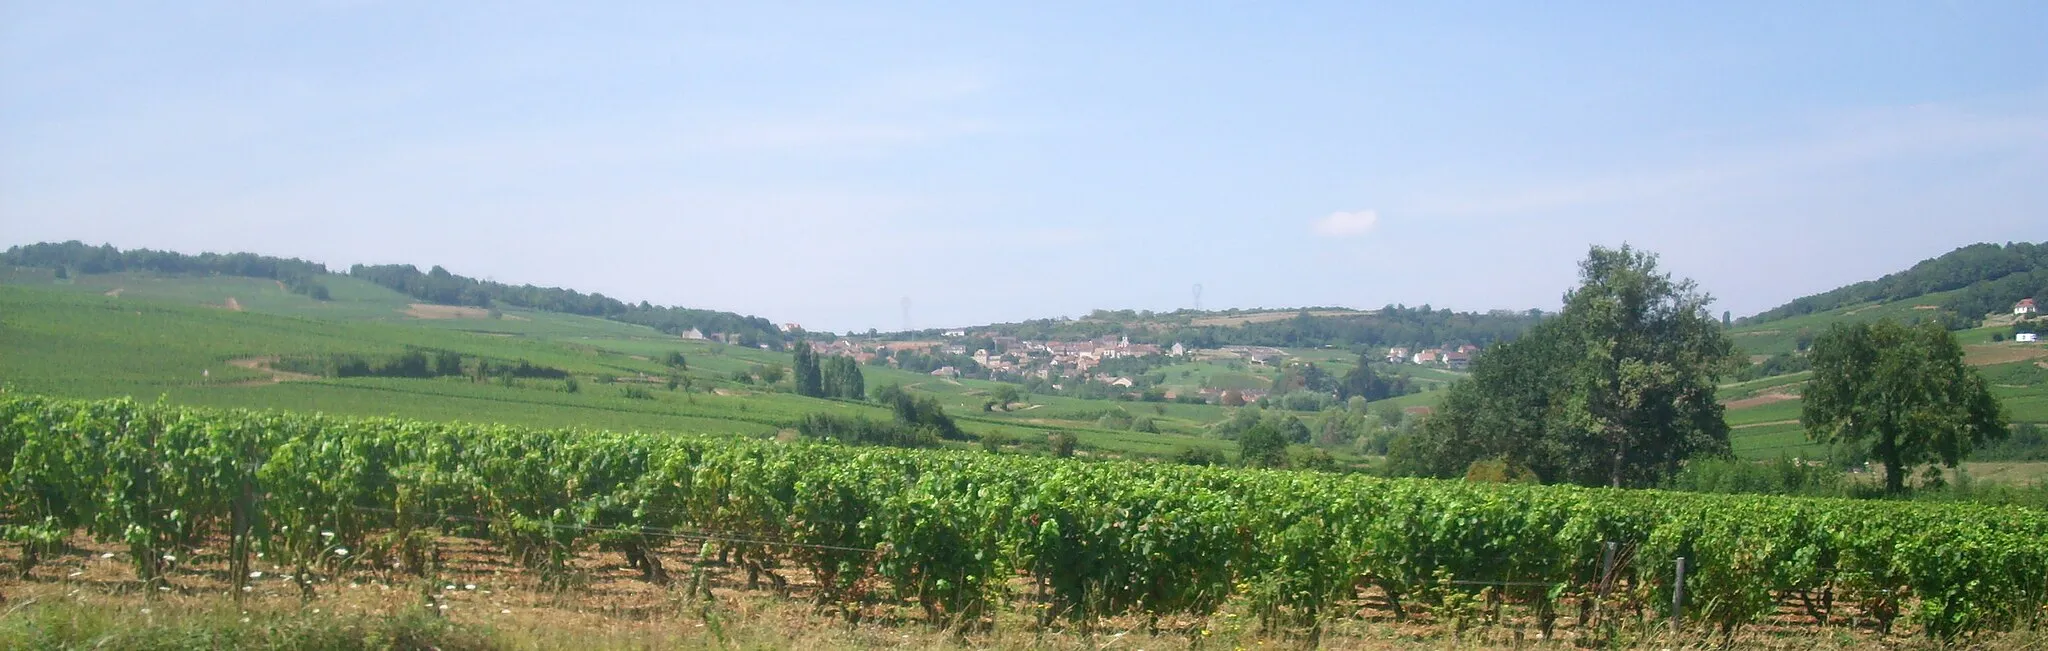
x=159, y=338
x=1781, y=336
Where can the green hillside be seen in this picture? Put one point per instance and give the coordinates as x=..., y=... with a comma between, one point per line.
x=164, y=336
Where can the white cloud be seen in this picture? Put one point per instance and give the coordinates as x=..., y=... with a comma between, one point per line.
x=1346, y=224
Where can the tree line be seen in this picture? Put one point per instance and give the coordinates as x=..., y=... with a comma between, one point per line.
x=76, y=257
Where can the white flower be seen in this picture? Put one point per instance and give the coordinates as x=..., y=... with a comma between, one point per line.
x=170, y=558
x=506, y=611
x=256, y=574
x=341, y=551
x=444, y=606
x=326, y=534
x=451, y=587
x=107, y=555
x=470, y=586
x=245, y=620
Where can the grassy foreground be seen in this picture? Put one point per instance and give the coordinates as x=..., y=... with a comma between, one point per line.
x=56, y=616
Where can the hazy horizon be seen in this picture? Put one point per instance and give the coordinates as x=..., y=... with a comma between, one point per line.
x=817, y=164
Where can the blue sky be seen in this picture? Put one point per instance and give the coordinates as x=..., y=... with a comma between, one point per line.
x=817, y=163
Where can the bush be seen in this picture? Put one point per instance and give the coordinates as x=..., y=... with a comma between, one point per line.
x=994, y=441
x=1781, y=477
x=1062, y=444
x=637, y=393
x=1306, y=457
x=1198, y=457
x=857, y=430
x=569, y=385
x=1144, y=424
x=1115, y=419
x=1262, y=446
x=2026, y=443
x=1500, y=471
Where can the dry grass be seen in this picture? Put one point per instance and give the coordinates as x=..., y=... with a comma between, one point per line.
x=609, y=606
x=429, y=311
x=1989, y=354
x=1776, y=394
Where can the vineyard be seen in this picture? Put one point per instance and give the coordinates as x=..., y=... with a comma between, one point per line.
x=959, y=535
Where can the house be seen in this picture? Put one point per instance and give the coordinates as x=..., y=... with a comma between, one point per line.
x=1178, y=351
x=694, y=334
x=2026, y=337
x=1424, y=357
x=1121, y=382
x=2024, y=307
x=1457, y=361
x=791, y=327
x=1468, y=349
x=956, y=333
x=956, y=350
x=1397, y=354
x=946, y=371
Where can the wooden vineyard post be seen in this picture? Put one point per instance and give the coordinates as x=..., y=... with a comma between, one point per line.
x=1678, y=597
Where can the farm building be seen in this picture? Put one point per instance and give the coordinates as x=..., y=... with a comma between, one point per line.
x=2024, y=307
x=2026, y=337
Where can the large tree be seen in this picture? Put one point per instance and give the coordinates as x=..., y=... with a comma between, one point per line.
x=1616, y=390
x=804, y=365
x=1901, y=394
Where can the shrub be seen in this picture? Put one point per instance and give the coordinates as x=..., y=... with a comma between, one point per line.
x=1062, y=444
x=994, y=441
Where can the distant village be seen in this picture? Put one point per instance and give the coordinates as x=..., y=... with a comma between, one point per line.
x=1015, y=359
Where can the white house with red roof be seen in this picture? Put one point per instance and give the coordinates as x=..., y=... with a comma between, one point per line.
x=2024, y=307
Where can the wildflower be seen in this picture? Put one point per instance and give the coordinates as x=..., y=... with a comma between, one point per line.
x=341, y=551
